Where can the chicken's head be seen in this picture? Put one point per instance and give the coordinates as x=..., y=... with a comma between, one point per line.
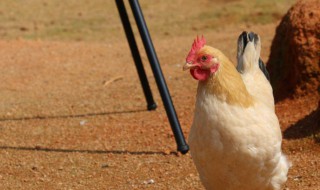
x=201, y=60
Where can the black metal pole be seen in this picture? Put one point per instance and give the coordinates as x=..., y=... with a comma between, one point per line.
x=136, y=55
x=164, y=92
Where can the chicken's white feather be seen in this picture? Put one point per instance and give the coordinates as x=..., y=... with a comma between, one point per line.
x=235, y=147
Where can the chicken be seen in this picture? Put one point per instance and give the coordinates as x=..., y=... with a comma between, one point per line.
x=235, y=138
x=252, y=69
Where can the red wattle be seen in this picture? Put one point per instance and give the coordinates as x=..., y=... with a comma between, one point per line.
x=203, y=74
x=200, y=74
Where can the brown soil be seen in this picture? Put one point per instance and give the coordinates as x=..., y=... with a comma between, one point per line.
x=294, y=62
x=73, y=116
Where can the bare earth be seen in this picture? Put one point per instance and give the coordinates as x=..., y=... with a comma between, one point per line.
x=73, y=116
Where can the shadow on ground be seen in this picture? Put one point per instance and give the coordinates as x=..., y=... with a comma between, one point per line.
x=308, y=126
x=43, y=149
x=73, y=116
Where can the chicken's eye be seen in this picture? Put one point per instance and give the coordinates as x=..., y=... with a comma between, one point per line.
x=204, y=58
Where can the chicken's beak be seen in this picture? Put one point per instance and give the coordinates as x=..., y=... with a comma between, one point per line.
x=188, y=65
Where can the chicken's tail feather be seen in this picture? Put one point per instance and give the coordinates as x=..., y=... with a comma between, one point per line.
x=248, y=55
x=263, y=68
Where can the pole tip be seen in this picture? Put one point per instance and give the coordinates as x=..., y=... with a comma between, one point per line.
x=152, y=106
x=183, y=149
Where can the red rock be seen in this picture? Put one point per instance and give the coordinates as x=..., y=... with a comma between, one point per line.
x=295, y=53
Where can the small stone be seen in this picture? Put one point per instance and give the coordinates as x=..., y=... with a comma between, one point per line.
x=150, y=181
x=178, y=154
x=104, y=166
x=167, y=152
x=34, y=168
x=297, y=178
x=41, y=179
x=83, y=122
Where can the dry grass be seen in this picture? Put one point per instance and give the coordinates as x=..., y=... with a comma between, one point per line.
x=98, y=20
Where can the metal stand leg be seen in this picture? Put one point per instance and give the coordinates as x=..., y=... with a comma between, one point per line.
x=162, y=86
x=136, y=55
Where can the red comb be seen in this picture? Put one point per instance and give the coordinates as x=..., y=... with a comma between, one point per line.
x=196, y=46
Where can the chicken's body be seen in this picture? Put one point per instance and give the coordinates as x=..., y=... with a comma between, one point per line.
x=259, y=87
x=235, y=139
x=245, y=156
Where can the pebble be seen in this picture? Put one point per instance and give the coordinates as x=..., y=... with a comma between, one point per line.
x=150, y=181
x=34, y=168
x=297, y=178
x=104, y=165
x=83, y=122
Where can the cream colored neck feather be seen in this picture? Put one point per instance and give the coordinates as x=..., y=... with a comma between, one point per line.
x=227, y=84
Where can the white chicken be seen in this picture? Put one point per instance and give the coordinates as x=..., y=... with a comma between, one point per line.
x=235, y=138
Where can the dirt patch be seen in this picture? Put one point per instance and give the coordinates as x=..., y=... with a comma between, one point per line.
x=294, y=62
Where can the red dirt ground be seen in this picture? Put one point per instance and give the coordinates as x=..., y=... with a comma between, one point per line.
x=73, y=116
